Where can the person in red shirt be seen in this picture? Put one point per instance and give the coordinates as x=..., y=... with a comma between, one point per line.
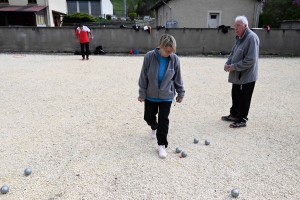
x=84, y=34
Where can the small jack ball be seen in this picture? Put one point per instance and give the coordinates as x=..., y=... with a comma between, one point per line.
x=207, y=142
x=234, y=192
x=4, y=189
x=196, y=140
x=27, y=171
x=183, y=154
x=178, y=150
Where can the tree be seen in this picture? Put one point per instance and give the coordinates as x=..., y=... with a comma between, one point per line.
x=132, y=5
x=278, y=10
x=143, y=6
x=78, y=18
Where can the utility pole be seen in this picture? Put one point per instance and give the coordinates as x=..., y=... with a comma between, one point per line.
x=170, y=10
x=124, y=7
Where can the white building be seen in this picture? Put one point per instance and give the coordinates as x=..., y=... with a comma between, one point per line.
x=48, y=12
x=205, y=14
x=96, y=8
x=32, y=12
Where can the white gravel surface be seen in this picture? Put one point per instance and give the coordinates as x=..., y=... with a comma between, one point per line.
x=79, y=127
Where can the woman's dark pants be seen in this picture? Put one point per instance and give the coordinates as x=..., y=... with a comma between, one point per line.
x=162, y=124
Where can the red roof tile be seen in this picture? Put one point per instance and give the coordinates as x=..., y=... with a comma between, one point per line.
x=10, y=8
x=22, y=8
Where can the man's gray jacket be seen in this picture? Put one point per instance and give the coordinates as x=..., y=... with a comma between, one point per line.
x=244, y=58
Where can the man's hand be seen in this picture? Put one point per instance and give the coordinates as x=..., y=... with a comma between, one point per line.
x=141, y=99
x=228, y=68
x=178, y=100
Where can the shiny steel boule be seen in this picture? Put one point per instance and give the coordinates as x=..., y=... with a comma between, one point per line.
x=27, y=171
x=183, y=154
x=178, y=150
x=207, y=142
x=234, y=193
x=4, y=189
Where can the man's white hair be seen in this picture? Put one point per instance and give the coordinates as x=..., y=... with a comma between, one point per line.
x=243, y=19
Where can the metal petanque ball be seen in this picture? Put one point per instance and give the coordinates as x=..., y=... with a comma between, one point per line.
x=183, y=154
x=234, y=192
x=4, y=189
x=207, y=142
x=178, y=150
x=196, y=140
x=27, y=171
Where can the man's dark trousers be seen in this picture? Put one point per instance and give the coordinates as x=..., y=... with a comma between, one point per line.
x=87, y=48
x=241, y=99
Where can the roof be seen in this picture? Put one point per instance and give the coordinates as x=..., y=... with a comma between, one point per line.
x=54, y=11
x=159, y=4
x=21, y=8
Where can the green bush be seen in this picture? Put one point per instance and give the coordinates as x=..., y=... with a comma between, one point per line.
x=108, y=17
x=132, y=15
x=79, y=18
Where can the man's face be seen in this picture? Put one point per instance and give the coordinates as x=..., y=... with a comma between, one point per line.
x=239, y=28
x=81, y=27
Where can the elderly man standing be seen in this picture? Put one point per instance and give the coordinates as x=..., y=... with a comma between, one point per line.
x=242, y=65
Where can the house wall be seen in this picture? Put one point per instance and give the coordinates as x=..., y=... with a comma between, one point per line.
x=57, y=5
x=18, y=2
x=106, y=7
x=194, y=13
x=190, y=41
x=38, y=2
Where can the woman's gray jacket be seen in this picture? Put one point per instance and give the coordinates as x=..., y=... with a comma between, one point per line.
x=171, y=82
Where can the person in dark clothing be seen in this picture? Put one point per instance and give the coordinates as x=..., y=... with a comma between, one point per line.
x=84, y=34
x=242, y=65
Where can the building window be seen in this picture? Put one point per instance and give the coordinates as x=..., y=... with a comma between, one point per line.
x=84, y=6
x=3, y=1
x=92, y=7
x=213, y=16
x=31, y=1
x=40, y=20
x=95, y=8
x=72, y=7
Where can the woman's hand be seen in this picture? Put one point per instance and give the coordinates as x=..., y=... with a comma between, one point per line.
x=141, y=99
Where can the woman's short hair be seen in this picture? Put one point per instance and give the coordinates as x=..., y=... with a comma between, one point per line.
x=243, y=19
x=167, y=40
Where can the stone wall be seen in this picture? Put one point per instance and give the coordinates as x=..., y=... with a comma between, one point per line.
x=190, y=41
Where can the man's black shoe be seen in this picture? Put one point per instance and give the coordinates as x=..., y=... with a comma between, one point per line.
x=229, y=118
x=239, y=123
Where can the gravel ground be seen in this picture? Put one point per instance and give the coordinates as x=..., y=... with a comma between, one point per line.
x=79, y=127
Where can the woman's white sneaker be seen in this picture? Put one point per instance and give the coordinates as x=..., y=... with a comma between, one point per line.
x=162, y=152
x=153, y=134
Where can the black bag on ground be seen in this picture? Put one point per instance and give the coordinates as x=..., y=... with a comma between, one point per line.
x=99, y=50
